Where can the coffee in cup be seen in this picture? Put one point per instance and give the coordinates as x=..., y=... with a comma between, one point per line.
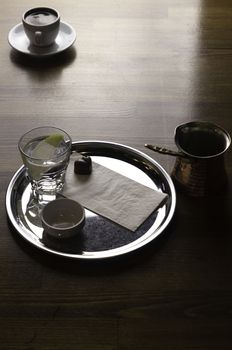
x=41, y=25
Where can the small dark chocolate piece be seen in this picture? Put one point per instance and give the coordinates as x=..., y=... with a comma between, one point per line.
x=83, y=165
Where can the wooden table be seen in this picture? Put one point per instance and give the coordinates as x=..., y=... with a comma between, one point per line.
x=137, y=70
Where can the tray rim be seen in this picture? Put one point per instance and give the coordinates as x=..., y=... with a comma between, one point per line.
x=103, y=254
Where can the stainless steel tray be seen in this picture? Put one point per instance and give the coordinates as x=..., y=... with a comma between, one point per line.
x=100, y=238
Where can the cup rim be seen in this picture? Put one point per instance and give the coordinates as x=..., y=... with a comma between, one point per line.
x=45, y=8
x=44, y=127
x=204, y=124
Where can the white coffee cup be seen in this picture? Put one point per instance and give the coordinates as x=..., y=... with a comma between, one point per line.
x=41, y=25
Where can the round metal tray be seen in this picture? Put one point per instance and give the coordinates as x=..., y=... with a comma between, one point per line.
x=100, y=238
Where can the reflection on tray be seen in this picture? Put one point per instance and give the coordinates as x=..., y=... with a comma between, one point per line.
x=98, y=234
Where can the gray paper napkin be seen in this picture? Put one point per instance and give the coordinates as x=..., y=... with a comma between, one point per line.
x=112, y=195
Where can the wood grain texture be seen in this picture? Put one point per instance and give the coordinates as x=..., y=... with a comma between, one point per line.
x=137, y=70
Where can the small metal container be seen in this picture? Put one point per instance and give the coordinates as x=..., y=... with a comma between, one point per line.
x=199, y=169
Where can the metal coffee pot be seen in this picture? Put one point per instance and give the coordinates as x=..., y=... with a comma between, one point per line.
x=199, y=168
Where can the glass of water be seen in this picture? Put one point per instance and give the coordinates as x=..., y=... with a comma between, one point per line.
x=45, y=152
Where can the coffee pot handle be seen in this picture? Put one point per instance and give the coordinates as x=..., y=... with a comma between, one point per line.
x=165, y=151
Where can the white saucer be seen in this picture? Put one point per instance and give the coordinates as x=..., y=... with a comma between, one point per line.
x=19, y=41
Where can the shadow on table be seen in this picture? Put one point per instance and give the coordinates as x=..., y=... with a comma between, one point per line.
x=105, y=266
x=44, y=68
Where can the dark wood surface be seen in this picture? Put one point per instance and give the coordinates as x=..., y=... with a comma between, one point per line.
x=137, y=70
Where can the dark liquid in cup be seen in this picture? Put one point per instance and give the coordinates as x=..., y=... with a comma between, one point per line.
x=41, y=18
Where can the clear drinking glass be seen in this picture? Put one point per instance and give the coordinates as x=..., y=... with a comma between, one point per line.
x=45, y=152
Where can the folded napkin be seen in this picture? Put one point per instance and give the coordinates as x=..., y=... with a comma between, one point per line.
x=112, y=195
